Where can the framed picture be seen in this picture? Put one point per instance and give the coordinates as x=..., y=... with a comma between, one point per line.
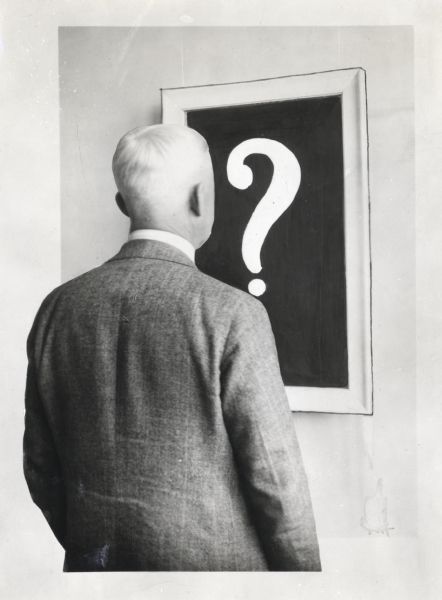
x=292, y=223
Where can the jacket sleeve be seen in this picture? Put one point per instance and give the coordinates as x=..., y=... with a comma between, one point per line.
x=263, y=438
x=40, y=460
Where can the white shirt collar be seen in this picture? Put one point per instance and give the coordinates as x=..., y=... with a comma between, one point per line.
x=167, y=237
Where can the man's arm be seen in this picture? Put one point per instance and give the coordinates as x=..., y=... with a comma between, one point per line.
x=264, y=442
x=40, y=461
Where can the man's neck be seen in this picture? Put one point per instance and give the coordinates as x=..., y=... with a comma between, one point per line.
x=166, y=237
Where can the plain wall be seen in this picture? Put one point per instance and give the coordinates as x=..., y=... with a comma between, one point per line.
x=110, y=80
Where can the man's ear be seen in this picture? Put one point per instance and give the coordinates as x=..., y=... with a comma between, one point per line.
x=196, y=200
x=121, y=204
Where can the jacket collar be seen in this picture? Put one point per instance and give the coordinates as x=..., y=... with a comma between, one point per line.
x=154, y=250
x=168, y=237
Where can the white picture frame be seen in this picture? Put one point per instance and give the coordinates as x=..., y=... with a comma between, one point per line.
x=350, y=84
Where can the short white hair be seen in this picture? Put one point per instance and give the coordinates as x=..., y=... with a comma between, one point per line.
x=152, y=162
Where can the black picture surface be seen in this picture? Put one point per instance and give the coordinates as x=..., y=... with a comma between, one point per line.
x=303, y=254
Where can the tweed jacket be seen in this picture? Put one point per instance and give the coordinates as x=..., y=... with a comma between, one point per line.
x=157, y=432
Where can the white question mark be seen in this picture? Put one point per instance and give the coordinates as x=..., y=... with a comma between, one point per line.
x=279, y=196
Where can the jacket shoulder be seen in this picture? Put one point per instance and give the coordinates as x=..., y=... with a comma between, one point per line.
x=235, y=311
x=50, y=301
x=226, y=294
x=66, y=288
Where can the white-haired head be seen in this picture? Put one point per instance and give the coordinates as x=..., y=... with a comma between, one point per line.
x=165, y=180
